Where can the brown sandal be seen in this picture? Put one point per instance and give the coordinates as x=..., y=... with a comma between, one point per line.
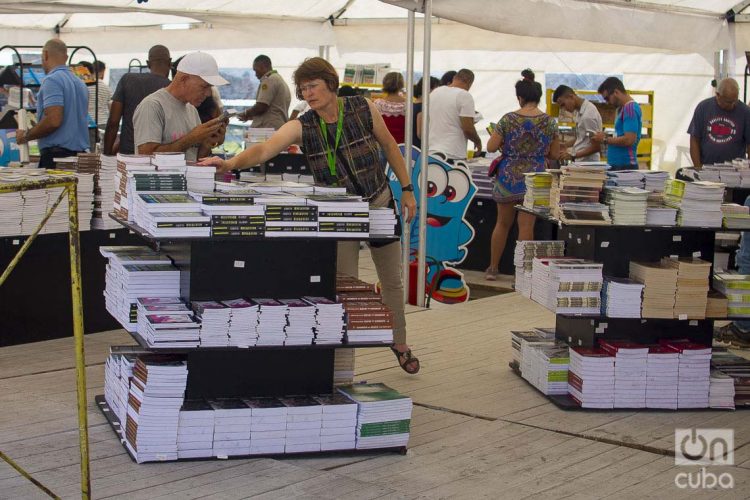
x=407, y=361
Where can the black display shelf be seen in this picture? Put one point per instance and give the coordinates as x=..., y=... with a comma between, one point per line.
x=344, y=345
x=116, y=426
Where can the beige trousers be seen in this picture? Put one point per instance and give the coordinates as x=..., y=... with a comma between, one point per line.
x=387, y=261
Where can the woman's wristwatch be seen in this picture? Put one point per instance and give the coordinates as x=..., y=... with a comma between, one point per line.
x=408, y=187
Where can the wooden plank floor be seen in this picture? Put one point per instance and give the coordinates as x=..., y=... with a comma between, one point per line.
x=478, y=430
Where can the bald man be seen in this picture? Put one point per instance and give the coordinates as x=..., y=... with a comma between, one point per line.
x=720, y=129
x=62, y=106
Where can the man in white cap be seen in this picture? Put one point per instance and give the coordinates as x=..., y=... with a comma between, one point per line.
x=168, y=121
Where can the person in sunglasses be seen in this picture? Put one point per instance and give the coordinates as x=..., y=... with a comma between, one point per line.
x=623, y=147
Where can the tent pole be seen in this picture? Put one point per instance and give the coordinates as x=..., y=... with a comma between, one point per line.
x=408, y=134
x=423, y=158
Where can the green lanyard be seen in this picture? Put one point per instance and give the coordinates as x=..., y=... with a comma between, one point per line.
x=331, y=153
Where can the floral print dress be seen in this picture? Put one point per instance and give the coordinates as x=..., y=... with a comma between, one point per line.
x=526, y=140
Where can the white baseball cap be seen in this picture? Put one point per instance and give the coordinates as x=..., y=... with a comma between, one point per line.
x=202, y=65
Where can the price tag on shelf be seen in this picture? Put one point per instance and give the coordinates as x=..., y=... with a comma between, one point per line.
x=676, y=237
x=570, y=339
x=480, y=203
x=693, y=322
x=239, y=264
x=580, y=342
x=697, y=254
x=674, y=256
x=16, y=242
x=112, y=236
x=682, y=317
x=314, y=279
x=604, y=244
x=578, y=240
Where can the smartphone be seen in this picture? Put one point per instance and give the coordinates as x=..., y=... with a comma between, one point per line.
x=491, y=127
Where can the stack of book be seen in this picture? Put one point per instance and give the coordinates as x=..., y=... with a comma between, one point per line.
x=568, y=286
x=382, y=221
x=736, y=288
x=291, y=220
x=169, y=161
x=717, y=305
x=166, y=322
x=232, y=214
x=585, y=213
x=657, y=214
x=329, y=320
x=480, y=168
x=267, y=425
x=271, y=321
x=153, y=276
x=214, y=319
x=538, y=186
x=738, y=368
x=625, y=178
x=694, y=373
x=660, y=287
x=662, y=375
x=699, y=202
x=523, y=259
x=127, y=165
x=243, y=321
x=300, y=322
x=545, y=366
x=118, y=371
x=338, y=426
x=200, y=178
x=103, y=168
x=347, y=216
x=178, y=215
x=621, y=298
x=691, y=296
x=343, y=366
x=383, y=415
x=630, y=372
x=156, y=394
x=591, y=378
x=735, y=216
x=303, y=423
x=368, y=321
x=232, y=420
x=627, y=205
x=721, y=391
x=577, y=191
x=11, y=214
x=195, y=430
x=655, y=180
x=519, y=338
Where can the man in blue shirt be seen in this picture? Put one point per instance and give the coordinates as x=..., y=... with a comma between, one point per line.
x=622, y=148
x=62, y=106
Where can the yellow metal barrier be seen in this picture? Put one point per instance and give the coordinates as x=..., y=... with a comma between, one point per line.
x=69, y=183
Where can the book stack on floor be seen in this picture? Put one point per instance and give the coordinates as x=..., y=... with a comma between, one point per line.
x=717, y=305
x=655, y=180
x=568, y=286
x=195, y=430
x=545, y=366
x=574, y=197
x=699, y=202
x=299, y=329
x=627, y=205
x=347, y=216
x=738, y=368
x=232, y=214
x=721, y=390
x=291, y=220
x=124, y=283
x=691, y=296
x=736, y=288
x=303, y=422
x=170, y=215
x=104, y=191
x=166, y=322
x=267, y=425
x=232, y=421
x=519, y=338
x=127, y=165
x=538, y=186
x=383, y=415
x=243, y=321
x=156, y=395
x=338, y=426
x=271, y=321
x=621, y=298
x=591, y=378
x=382, y=221
x=214, y=322
x=118, y=370
x=200, y=178
x=523, y=258
x=694, y=373
x=660, y=287
x=662, y=376
x=329, y=320
x=735, y=216
x=631, y=361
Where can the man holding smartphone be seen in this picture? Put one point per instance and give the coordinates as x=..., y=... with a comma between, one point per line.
x=588, y=122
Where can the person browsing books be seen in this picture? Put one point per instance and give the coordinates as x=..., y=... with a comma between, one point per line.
x=622, y=149
x=168, y=121
x=344, y=139
x=588, y=122
x=271, y=109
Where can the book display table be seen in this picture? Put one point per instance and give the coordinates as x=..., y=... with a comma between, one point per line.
x=216, y=269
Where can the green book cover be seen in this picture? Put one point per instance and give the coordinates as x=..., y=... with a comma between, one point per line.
x=385, y=428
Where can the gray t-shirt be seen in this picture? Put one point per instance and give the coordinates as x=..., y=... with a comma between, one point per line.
x=723, y=135
x=588, y=121
x=131, y=90
x=273, y=91
x=163, y=118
